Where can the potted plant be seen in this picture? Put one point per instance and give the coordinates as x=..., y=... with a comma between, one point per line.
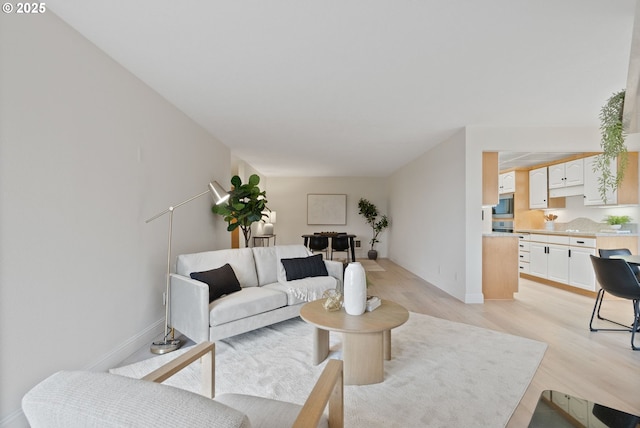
x=370, y=212
x=244, y=207
x=616, y=221
x=613, y=145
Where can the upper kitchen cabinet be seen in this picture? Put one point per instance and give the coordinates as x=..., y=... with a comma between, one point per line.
x=507, y=182
x=566, y=174
x=490, y=182
x=627, y=192
x=538, y=188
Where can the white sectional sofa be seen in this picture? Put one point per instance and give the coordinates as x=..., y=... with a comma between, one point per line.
x=265, y=297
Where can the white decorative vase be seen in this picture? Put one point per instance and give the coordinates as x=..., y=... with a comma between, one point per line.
x=549, y=225
x=355, y=289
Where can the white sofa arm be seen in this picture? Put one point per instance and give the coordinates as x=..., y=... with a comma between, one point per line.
x=335, y=269
x=190, y=307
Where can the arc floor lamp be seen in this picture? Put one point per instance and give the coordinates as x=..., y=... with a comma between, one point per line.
x=169, y=344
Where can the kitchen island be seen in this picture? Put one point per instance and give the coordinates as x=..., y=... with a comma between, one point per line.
x=499, y=265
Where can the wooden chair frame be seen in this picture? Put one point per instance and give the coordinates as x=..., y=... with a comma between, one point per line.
x=328, y=390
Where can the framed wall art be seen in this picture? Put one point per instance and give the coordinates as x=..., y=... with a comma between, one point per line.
x=326, y=209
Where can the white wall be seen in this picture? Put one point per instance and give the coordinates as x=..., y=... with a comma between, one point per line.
x=427, y=202
x=436, y=201
x=288, y=197
x=87, y=153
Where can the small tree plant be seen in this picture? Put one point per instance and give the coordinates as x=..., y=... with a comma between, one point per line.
x=370, y=212
x=244, y=207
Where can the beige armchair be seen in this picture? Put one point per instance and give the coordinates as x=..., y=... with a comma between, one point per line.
x=92, y=399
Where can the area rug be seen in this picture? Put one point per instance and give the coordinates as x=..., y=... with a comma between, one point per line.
x=371, y=266
x=442, y=373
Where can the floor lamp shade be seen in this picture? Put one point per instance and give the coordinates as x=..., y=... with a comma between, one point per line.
x=168, y=344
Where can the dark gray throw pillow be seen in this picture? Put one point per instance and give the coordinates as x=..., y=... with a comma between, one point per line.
x=221, y=281
x=304, y=267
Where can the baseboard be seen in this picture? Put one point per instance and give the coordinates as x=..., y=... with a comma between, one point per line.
x=14, y=420
x=127, y=348
x=17, y=419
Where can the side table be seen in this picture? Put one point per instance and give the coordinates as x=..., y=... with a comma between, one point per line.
x=261, y=238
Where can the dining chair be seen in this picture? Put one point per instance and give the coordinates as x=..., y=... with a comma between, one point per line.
x=616, y=277
x=340, y=243
x=606, y=254
x=318, y=243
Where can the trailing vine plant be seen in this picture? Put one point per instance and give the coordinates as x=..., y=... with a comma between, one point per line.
x=613, y=146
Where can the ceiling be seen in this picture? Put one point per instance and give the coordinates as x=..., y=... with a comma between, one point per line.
x=362, y=87
x=508, y=160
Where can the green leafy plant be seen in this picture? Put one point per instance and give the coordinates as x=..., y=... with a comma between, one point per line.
x=617, y=219
x=244, y=207
x=613, y=145
x=370, y=212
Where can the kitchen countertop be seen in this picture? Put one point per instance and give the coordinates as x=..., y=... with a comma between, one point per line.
x=499, y=234
x=584, y=234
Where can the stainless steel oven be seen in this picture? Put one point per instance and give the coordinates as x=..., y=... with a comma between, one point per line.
x=502, y=226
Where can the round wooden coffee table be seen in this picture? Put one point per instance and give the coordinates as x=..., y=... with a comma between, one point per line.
x=366, y=338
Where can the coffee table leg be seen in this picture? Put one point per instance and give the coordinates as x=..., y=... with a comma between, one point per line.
x=386, y=340
x=320, y=345
x=363, y=358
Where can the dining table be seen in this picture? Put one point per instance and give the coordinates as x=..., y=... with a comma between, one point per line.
x=633, y=259
x=333, y=235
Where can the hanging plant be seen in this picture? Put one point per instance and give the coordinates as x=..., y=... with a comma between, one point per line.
x=613, y=146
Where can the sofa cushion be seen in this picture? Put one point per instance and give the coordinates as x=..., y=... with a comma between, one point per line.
x=304, y=267
x=95, y=399
x=280, y=413
x=288, y=252
x=266, y=264
x=245, y=303
x=240, y=259
x=304, y=290
x=221, y=281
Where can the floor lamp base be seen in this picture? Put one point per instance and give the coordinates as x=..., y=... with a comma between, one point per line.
x=165, y=346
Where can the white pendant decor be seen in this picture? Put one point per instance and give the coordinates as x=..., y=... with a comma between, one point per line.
x=355, y=289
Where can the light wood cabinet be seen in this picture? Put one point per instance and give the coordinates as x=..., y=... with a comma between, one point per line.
x=490, y=178
x=499, y=266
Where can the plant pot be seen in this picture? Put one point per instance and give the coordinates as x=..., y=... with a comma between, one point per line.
x=615, y=226
x=549, y=225
x=372, y=254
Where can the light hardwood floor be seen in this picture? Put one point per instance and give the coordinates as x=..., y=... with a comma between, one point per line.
x=597, y=366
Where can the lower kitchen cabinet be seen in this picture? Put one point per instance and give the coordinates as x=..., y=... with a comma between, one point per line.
x=562, y=259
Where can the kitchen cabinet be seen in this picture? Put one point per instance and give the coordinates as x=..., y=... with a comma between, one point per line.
x=499, y=266
x=627, y=192
x=549, y=257
x=591, y=185
x=538, y=188
x=566, y=174
x=580, y=267
x=507, y=182
x=523, y=252
x=562, y=259
x=490, y=182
